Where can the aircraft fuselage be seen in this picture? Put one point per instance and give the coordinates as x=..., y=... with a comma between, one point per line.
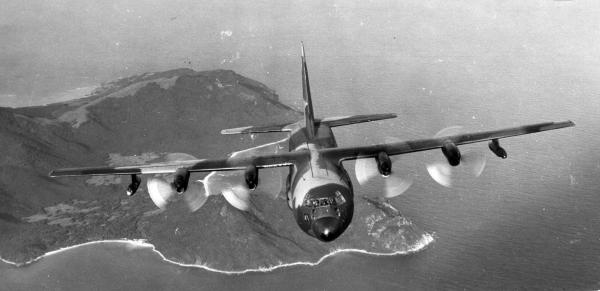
x=319, y=190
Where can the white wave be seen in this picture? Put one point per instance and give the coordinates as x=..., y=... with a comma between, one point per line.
x=425, y=240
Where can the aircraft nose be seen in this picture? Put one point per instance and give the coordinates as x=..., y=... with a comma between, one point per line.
x=326, y=228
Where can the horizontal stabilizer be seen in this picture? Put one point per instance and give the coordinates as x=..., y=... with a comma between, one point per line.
x=346, y=120
x=258, y=129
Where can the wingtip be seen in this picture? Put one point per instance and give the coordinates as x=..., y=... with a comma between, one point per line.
x=556, y=125
x=566, y=123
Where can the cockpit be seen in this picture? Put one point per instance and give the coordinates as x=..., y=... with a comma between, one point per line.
x=337, y=199
x=324, y=215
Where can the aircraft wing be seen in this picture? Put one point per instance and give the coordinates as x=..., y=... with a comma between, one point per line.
x=263, y=159
x=397, y=148
x=235, y=162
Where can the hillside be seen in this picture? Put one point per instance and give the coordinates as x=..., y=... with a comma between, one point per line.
x=144, y=119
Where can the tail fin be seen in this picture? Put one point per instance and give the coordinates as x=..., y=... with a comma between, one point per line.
x=309, y=117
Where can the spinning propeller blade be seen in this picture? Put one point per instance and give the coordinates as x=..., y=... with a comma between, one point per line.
x=472, y=163
x=161, y=192
x=195, y=196
x=232, y=185
x=270, y=182
x=395, y=184
x=238, y=197
x=365, y=170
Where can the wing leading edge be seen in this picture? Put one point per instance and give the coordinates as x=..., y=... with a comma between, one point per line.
x=232, y=163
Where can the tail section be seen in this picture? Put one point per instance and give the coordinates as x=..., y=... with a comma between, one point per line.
x=309, y=116
x=258, y=129
x=347, y=120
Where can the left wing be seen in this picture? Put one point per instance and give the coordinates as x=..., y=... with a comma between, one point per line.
x=404, y=147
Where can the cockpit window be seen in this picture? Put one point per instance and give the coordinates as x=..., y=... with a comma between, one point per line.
x=317, y=202
x=339, y=198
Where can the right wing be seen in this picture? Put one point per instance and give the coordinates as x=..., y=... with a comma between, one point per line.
x=264, y=156
x=404, y=147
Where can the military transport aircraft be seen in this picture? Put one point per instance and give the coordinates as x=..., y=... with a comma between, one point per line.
x=319, y=190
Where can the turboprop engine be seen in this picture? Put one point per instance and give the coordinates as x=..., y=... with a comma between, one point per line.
x=251, y=177
x=384, y=164
x=162, y=192
x=452, y=153
x=180, y=182
x=495, y=147
x=135, y=184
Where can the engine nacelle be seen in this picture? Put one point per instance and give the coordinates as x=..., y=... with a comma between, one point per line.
x=135, y=184
x=251, y=177
x=495, y=147
x=452, y=153
x=384, y=164
x=180, y=182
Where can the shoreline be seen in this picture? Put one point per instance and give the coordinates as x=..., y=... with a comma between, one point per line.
x=422, y=244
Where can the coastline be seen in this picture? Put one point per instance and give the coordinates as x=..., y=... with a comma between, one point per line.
x=421, y=245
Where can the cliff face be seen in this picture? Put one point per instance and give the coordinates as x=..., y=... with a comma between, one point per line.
x=143, y=119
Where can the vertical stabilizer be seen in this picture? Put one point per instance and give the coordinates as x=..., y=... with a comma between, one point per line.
x=308, y=108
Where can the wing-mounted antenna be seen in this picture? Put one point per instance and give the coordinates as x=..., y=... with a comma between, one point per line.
x=308, y=108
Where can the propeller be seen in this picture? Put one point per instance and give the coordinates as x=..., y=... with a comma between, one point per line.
x=270, y=181
x=232, y=184
x=196, y=195
x=161, y=192
x=396, y=183
x=472, y=163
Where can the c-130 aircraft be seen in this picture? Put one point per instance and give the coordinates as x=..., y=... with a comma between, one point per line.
x=319, y=190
